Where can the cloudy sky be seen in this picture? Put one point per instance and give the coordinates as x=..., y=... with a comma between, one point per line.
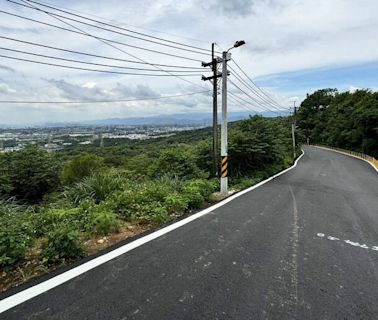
x=292, y=47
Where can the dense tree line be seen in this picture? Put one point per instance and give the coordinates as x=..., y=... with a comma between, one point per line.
x=345, y=120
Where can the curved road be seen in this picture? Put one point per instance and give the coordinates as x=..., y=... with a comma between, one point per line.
x=303, y=246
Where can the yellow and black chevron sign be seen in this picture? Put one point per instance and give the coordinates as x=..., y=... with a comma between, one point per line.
x=224, y=166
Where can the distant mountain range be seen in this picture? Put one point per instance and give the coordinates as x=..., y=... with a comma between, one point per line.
x=183, y=119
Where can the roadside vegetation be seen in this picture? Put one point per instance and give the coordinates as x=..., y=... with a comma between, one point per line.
x=56, y=207
x=345, y=120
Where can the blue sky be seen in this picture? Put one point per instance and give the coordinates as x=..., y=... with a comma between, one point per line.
x=293, y=47
x=344, y=78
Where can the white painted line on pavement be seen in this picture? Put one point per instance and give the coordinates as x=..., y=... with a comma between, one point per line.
x=49, y=284
x=352, y=243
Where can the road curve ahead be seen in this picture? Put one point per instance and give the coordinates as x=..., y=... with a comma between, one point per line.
x=303, y=246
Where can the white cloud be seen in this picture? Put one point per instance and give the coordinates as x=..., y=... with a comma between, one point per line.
x=280, y=35
x=5, y=89
x=89, y=85
x=353, y=89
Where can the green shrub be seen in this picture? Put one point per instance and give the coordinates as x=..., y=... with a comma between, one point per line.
x=97, y=187
x=103, y=221
x=178, y=162
x=80, y=167
x=205, y=187
x=175, y=203
x=156, y=190
x=28, y=174
x=15, y=238
x=77, y=218
x=153, y=213
x=62, y=243
x=193, y=197
x=245, y=183
x=197, y=191
x=123, y=203
x=142, y=198
x=16, y=232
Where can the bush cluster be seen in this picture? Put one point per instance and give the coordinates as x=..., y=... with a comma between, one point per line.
x=62, y=242
x=16, y=232
x=95, y=206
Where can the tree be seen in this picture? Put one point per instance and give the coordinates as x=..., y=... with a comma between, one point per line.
x=345, y=120
x=31, y=173
x=177, y=161
x=80, y=167
x=258, y=143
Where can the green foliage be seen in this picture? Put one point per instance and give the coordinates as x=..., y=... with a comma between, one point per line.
x=16, y=232
x=143, y=181
x=345, y=120
x=204, y=187
x=257, y=144
x=193, y=196
x=80, y=167
x=103, y=221
x=62, y=242
x=175, y=203
x=28, y=174
x=142, y=198
x=179, y=162
x=48, y=220
x=244, y=183
x=97, y=187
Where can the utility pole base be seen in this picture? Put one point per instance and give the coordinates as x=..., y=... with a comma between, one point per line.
x=224, y=186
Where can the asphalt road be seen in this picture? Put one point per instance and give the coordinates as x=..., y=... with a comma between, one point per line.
x=303, y=246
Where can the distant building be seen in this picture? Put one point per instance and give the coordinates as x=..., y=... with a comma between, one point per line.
x=50, y=147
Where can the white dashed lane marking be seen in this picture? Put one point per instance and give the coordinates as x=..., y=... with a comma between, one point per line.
x=352, y=243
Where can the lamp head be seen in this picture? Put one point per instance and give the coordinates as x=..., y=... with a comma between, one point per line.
x=239, y=43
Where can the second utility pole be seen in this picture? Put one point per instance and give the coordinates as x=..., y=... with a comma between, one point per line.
x=214, y=66
x=215, y=111
x=224, y=150
x=293, y=125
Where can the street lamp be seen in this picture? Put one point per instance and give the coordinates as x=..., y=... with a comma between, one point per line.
x=224, y=146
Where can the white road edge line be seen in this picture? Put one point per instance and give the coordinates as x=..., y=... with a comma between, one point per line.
x=49, y=284
x=347, y=154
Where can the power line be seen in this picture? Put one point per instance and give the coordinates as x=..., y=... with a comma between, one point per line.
x=45, y=4
x=95, y=64
x=130, y=25
x=108, y=43
x=253, y=90
x=237, y=103
x=98, y=56
x=98, y=70
x=102, y=28
x=248, y=95
x=116, y=27
x=97, y=37
x=104, y=101
x=246, y=101
x=266, y=95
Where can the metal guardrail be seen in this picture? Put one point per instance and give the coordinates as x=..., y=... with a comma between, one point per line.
x=360, y=155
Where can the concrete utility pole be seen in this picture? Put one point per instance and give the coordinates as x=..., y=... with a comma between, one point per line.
x=224, y=164
x=293, y=125
x=224, y=143
x=226, y=56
